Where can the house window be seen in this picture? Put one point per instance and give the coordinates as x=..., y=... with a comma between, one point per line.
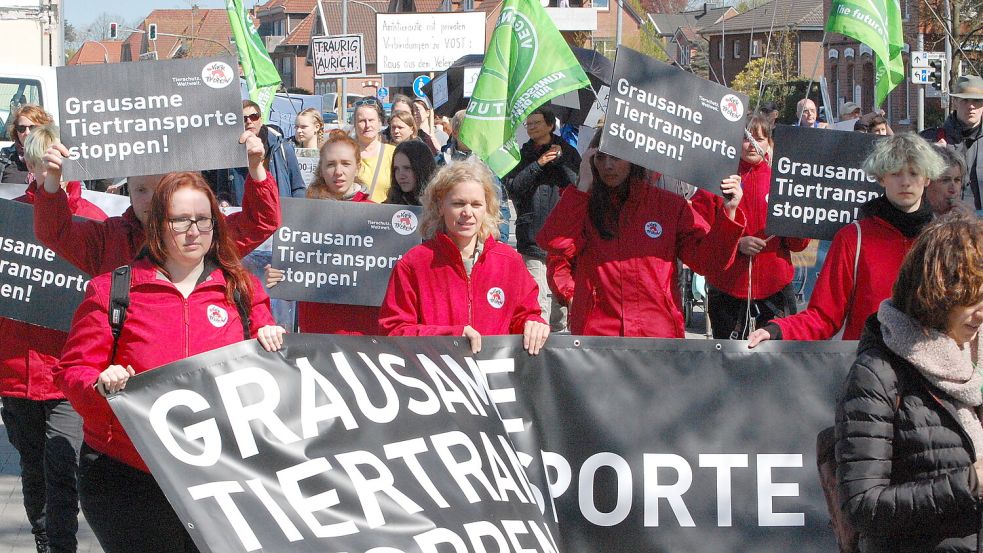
x=720, y=49
x=737, y=49
x=602, y=5
x=755, y=48
x=605, y=46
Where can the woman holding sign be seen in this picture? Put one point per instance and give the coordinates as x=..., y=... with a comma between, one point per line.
x=462, y=281
x=757, y=287
x=188, y=293
x=623, y=235
x=334, y=179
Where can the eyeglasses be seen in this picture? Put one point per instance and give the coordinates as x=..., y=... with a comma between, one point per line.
x=528, y=124
x=252, y=117
x=24, y=128
x=183, y=224
x=368, y=100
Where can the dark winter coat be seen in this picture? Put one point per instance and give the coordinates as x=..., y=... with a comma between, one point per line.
x=13, y=168
x=966, y=143
x=905, y=465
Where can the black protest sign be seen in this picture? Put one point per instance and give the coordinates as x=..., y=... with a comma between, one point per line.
x=335, y=56
x=151, y=117
x=817, y=181
x=36, y=286
x=335, y=444
x=340, y=252
x=671, y=121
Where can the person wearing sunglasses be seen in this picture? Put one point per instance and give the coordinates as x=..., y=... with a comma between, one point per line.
x=13, y=166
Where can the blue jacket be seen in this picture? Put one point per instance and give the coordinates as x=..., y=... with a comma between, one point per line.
x=281, y=161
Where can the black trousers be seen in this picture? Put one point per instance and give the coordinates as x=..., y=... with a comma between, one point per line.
x=126, y=508
x=47, y=435
x=728, y=315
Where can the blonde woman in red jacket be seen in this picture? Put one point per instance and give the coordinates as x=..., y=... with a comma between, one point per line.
x=624, y=235
x=182, y=291
x=462, y=281
x=760, y=279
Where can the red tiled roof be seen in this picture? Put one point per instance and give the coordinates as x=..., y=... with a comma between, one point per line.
x=91, y=52
x=288, y=6
x=208, y=25
x=361, y=20
x=301, y=36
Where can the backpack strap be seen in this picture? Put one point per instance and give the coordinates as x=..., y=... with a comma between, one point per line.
x=243, y=310
x=119, y=301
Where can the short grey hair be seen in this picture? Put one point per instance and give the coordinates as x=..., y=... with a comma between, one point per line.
x=952, y=158
x=801, y=105
x=894, y=153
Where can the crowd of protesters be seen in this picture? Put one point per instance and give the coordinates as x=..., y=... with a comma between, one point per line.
x=599, y=244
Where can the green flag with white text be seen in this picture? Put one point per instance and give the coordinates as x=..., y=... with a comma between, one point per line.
x=527, y=63
x=262, y=78
x=876, y=23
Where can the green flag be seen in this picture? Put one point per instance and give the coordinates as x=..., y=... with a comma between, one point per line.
x=526, y=64
x=876, y=23
x=262, y=78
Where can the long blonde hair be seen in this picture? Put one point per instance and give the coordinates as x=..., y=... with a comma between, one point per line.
x=444, y=181
x=318, y=122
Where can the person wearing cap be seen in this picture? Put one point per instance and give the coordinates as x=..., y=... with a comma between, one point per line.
x=849, y=111
x=962, y=131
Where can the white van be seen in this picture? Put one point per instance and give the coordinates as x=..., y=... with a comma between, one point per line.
x=25, y=84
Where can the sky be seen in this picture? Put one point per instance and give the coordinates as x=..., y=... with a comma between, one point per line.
x=82, y=12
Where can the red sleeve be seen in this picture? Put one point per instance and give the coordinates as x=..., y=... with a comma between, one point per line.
x=559, y=276
x=90, y=210
x=260, y=314
x=830, y=297
x=529, y=308
x=708, y=249
x=86, y=353
x=82, y=243
x=260, y=215
x=564, y=232
x=706, y=204
x=399, y=313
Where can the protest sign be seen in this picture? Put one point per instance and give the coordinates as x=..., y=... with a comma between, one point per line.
x=817, y=181
x=334, y=444
x=421, y=42
x=149, y=118
x=694, y=458
x=307, y=158
x=340, y=252
x=36, y=286
x=668, y=120
x=335, y=56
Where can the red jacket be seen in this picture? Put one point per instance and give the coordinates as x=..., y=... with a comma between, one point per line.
x=28, y=353
x=431, y=294
x=882, y=249
x=631, y=279
x=336, y=318
x=772, y=268
x=161, y=326
x=100, y=247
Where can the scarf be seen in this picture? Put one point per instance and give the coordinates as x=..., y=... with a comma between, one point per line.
x=908, y=224
x=938, y=358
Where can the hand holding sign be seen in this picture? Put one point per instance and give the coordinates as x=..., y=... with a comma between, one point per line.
x=732, y=192
x=256, y=153
x=54, y=158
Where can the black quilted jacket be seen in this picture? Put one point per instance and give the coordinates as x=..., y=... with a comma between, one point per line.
x=904, y=464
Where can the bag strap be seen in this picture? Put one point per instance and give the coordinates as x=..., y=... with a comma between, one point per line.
x=243, y=310
x=119, y=302
x=856, y=266
x=378, y=166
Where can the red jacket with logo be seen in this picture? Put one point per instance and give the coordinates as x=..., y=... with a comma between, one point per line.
x=335, y=318
x=100, y=247
x=772, y=268
x=431, y=294
x=882, y=249
x=629, y=282
x=161, y=326
x=28, y=352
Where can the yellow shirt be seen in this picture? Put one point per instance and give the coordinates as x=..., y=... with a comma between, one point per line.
x=384, y=181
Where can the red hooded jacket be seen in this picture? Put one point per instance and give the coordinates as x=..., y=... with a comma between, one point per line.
x=161, y=326
x=631, y=279
x=100, y=247
x=334, y=318
x=28, y=353
x=772, y=268
x=431, y=294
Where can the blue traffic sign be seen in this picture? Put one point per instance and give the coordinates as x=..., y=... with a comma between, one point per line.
x=383, y=93
x=418, y=84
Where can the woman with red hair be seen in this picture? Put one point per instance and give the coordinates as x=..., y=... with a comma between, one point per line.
x=13, y=164
x=188, y=294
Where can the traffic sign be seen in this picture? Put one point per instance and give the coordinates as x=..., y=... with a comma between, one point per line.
x=921, y=58
x=921, y=75
x=383, y=93
x=418, y=84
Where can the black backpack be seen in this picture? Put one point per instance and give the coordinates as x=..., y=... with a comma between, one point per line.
x=119, y=302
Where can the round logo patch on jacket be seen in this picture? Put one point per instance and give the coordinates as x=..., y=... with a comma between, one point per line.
x=653, y=229
x=496, y=297
x=217, y=316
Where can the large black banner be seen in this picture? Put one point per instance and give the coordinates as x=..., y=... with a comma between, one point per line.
x=341, y=252
x=817, y=181
x=36, y=286
x=668, y=120
x=643, y=445
x=149, y=118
